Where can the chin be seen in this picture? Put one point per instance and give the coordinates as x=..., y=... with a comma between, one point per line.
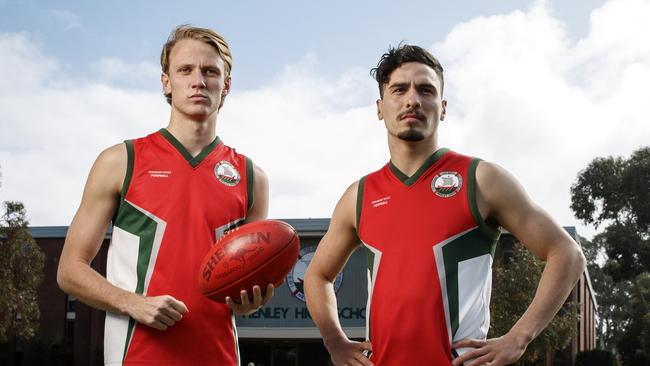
x=411, y=136
x=199, y=113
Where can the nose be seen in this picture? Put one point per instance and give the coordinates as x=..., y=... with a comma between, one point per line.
x=412, y=99
x=199, y=80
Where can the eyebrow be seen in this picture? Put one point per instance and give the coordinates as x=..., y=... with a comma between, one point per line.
x=417, y=85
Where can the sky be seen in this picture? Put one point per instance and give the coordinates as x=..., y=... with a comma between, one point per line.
x=539, y=87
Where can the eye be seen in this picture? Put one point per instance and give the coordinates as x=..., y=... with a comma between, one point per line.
x=428, y=91
x=184, y=70
x=212, y=72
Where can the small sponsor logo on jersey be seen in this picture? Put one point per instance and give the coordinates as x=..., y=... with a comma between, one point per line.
x=160, y=173
x=380, y=202
x=446, y=184
x=296, y=277
x=226, y=173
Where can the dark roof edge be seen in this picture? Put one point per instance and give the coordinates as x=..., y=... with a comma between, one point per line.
x=302, y=226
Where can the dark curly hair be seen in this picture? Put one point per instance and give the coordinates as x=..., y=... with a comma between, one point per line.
x=403, y=53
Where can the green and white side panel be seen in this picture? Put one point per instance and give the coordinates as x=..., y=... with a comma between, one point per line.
x=374, y=258
x=132, y=254
x=464, y=263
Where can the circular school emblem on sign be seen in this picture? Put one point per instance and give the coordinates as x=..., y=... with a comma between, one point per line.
x=226, y=173
x=446, y=184
x=296, y=277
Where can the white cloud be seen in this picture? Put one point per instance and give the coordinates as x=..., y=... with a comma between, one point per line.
x=524, y=96
x=313, y=136
x=24, y=68
x=138, y=74
x=521, y=94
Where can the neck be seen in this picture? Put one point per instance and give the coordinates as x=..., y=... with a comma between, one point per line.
x=193, y=134
x=409, y=156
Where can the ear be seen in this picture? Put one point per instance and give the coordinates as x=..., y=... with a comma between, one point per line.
x=225, y=91
x=379, y=103
x=164, y=80
x=443, y=113
x=226, y=87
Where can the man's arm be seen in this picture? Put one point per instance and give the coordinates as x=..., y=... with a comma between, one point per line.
x=501, y=198
x=260, y=208
x=258, y=211
x=333, y=252
x=85, y=236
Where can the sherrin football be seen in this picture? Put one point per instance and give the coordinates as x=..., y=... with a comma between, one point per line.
x=258, y=253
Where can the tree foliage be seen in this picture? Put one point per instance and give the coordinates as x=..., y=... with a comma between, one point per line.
x=615, y=192
x=21, y=271
x=514, y=286
x=615, y=189
x=612, y=297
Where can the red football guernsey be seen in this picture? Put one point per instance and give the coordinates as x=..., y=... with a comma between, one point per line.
x=173, y=208
x=429, y=260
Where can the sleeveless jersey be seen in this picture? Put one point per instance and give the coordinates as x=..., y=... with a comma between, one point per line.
x=173, y=208
x=429, y=260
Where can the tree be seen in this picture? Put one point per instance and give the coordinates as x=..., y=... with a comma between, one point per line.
x=514, y=286
x=615, y=192
x=612, y=297
x=21, y=271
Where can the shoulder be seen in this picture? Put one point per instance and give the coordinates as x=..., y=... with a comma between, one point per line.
x=115, y=155
x=494, y=180
x=500, y=192
x=110, y=167
x=489, y=172
x=260, y=174
x=352, y=191
x=346, y=208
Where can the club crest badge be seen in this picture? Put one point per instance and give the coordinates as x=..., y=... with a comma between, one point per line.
x=226, y=173
x=296, y=277
x=446, y=184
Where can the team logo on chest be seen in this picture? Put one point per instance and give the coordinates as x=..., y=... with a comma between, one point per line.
x=446, y=184
x=226, y=173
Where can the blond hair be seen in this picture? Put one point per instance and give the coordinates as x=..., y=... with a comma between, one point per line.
x=205, y=35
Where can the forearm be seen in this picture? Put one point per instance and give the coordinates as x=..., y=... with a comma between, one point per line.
x=562, y=271
x=321, y=302
x=88, y=286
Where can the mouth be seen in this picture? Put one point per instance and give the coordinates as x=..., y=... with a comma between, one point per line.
x=198, y=96
x=411, y=117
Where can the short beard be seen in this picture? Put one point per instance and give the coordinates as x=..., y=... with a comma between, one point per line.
x=411, y=135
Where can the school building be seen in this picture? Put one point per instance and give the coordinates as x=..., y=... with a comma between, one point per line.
x=280, y=334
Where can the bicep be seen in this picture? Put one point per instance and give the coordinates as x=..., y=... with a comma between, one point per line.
x=507, y=202
x=260, y=208
x=340, y=240
x=98, y=204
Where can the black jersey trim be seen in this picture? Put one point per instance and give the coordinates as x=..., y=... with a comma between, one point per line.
x=408, y=181
x=194, y=161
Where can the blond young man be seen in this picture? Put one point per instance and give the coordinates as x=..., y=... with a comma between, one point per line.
x=169, y=195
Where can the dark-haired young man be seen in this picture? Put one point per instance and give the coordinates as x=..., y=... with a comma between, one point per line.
x=429, y=220
x=169, y=195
